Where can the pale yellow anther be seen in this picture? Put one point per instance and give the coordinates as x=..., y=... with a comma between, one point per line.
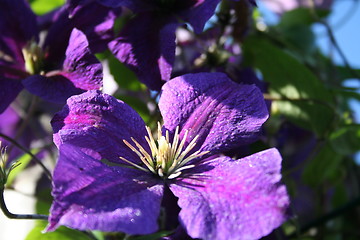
x=33, y=56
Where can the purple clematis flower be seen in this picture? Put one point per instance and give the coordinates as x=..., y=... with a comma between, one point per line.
x=147, y=42
x=112, y=175
x=62, y=66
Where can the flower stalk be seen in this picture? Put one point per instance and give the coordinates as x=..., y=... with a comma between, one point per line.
x=4, y=174
x=38, y=161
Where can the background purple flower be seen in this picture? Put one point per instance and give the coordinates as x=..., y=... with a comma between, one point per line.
x=63, y=65
x=219, y=197
x=150, y=52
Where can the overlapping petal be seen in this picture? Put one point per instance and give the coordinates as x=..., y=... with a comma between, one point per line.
x=99, y=29
x=80, y=66
x=81, y=71
x=100, y=122
x=234, y=199
x=222, y=113
x=54, y=89
x=91, y=195
x=150, y=53
x=199, y=13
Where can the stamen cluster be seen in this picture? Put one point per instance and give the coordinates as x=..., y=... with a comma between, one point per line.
x=33, y=56
x=167, y=159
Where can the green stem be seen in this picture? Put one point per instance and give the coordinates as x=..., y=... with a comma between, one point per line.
x=38, y=161
x=10, y=215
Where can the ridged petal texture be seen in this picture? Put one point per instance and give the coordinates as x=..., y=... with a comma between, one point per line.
x=91, y=195
x=224, y=114
x=99, y=122
x=234, y=199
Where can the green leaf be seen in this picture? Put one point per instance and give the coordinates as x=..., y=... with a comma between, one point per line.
x=301, y=16
x=300, y=38
x=41, y=7
x=154, y=236
x=349, y=93
x=99, y=235
x=339, y=197
x=124, y=76
x=62, y=233
x=296, y=92
x=24, y=161
x=323, y=167
x=346, y=140
x=44, y=200
x=346, y=73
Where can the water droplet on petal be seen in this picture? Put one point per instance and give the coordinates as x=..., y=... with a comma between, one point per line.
x=138, y=212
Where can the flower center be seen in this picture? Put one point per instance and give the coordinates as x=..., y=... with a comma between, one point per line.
x=167, y=159
x=33, y=56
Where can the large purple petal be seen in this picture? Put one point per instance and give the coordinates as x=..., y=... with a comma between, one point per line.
x=57, y=38
x=222, y=113
x=89, y=195
x=234, y=199
x=17, y=27
x=9, y=89
x=55, y=88
x=199, y=13
x=99, y=29
x=80, y=66
x=150, y=53
x=100, y=122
